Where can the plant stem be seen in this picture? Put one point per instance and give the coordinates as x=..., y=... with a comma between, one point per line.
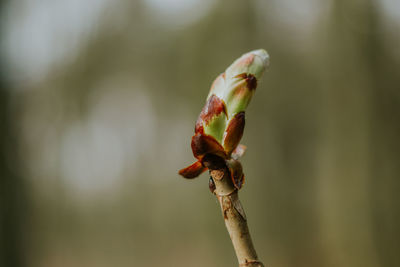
x=235, y=218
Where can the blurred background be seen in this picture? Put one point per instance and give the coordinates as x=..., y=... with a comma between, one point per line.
x=98, y=101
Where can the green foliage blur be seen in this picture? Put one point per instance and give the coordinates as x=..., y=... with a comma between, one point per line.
x=96, y=125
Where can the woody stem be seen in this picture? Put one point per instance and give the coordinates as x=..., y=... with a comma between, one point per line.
x=235, y=219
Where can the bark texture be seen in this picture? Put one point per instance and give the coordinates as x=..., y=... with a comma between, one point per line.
x=235, y=219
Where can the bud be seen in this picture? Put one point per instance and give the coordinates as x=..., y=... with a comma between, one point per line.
x=220, y=125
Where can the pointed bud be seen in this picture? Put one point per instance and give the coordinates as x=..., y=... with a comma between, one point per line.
x=220, y=125
x=229, y=96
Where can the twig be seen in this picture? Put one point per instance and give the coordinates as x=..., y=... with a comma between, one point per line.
x=235, y=218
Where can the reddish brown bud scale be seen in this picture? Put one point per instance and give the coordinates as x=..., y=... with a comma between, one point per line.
x=234, y=132
x=203, y=144
x=193, y=170
x=236, y=172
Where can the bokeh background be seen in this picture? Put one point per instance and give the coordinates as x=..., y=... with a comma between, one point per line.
x=98, y=102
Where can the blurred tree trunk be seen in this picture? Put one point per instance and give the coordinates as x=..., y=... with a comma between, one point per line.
x=385, y=142
x=12, y=196
x=352, y=174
